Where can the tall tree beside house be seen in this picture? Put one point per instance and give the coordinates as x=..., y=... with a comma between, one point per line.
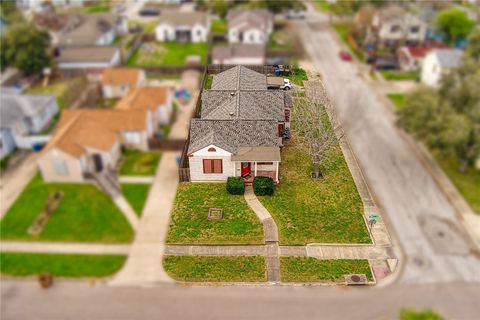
x=448, y=118
x=454, y=24
x=25, y=47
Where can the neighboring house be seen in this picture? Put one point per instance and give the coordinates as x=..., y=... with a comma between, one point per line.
x=239, y=54
x=249, y=26
x=392, y=25
x=240, y=129
x=183, y=27
x=411, y=58
x=439, y=62
x=89, y=141
x=95, y=29
x=3, y=25
x=22, y=118
x=89, y=58
x=157, y=101
x=117, y=82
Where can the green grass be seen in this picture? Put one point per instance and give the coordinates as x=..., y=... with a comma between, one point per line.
x=216, y=269
x=190, y=223
x=323, y=5
x=153, y=76
x=281, y=40
x=219, y=26
x=310, y=210
x=136, y=195
x=85, y=214
x=342, y=30
x=300, y=94
x=139, y=163
x=307, y=269
x=101, y=7
x=297, y=76
x=65, y=90
x=399, y=75
x=167, y=54
x=208, y=82
x=467, y=183
x=398, y=99
x=60, y=265
x=106, y=103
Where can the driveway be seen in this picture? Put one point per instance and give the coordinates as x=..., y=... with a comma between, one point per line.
x=424, y=222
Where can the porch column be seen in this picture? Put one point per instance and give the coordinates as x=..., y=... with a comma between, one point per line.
x=255, y=168
x=276, y=172
x=234, y=169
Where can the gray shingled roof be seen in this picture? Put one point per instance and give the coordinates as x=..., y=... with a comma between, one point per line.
x=239, y=78
x=231, y=134
x=448, y=58
x=15, y=107
x=244, y=105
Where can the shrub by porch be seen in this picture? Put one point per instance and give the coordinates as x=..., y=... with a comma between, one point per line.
x=235, y=185
x=263, y=186
x=190, y=223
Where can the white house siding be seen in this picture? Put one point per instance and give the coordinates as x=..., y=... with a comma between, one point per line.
x=44, y=117
x=7, y=144
x=164, y=32
x=74, y=172
x=199, y=33
x=135, y=140
x=431, y=71
x=27, y=142
x=196, y=165
x=114, y=61
x=254, y=36
x=106, y=38
x=241, y=61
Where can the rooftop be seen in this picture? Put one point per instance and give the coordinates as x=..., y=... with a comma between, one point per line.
x=15, y=107
x=183, y=18
x=121, y=76
x=144, y=98
x=239, y=78
x=448, y=58
x=245, y=19
x=88, y=54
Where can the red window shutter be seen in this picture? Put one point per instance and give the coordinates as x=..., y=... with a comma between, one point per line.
x=281, y=129
x=207, y=166
x=287, y=115
x=217, y=166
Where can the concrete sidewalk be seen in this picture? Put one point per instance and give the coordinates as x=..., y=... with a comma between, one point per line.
x=64, y=247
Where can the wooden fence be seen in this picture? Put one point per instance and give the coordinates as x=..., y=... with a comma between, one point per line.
x=167, y=144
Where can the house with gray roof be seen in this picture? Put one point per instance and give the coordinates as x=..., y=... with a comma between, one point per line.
x=438, y=63
x=183, y=27
x=240, y=129
x=22, y=118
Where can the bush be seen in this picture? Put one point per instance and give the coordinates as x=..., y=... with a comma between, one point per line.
x=235, y=185
x=263, y=186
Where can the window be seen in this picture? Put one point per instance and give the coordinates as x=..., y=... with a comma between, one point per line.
x=395, y=29
x=132, y=137
x=212, y=166
x=264, y=163
x=212, y=150
x=60, y=167
x=199, y=32
x=415, y=29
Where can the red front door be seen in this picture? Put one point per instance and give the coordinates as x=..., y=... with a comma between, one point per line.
x=245, y=169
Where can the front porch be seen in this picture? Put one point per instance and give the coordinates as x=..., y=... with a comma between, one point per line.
x=250, y=162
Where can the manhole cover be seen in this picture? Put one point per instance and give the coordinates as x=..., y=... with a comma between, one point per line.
x=215, y=213
x=355, y=278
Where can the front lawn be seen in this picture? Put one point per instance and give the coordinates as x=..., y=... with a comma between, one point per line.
x=310, y=210
x=398, y=99
x=60, y=265
x=190, y=223
x=101, y=7
x=396, y=75
x=216, y=269
x=139, y=163
x=281, y=39
x=153, y=54
x=467, y=183
x=136, y=195
x=307, y=269
x=208, y=82
x=297, y=76
x=84, y=214
x=66, y=90
x=219, y=26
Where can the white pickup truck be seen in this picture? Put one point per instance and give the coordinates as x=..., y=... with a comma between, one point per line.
x=278, y=83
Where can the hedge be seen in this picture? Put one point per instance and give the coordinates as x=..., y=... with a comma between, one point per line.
x=235, y=185
x=263, y=186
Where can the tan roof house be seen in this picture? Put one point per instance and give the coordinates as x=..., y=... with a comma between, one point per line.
x=117, y=82
x=157, y=101
x=88, y=142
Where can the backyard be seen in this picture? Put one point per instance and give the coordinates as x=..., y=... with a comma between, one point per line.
x=84, y=214
x=307, y=269
x=397, y=75
x=282, y=38
x=307, y=210
x=190, y=223
x=136, y=195
x=67, y=90
x=215, y=269
x=153, y=54
x=139, y=163
x=219, y=26
x=60, y=265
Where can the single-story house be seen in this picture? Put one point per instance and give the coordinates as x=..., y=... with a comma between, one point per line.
x=220, y=149
x=439, y=62
x=239, y=54
x=93, y=29
x=249, y=25
x=183, y=27
x=89, y=58
x=411, y=58
x=88, y=141
x=22, y=118
x=117, y=82
x=392, y=25
x=157, y=101
x=240, y=129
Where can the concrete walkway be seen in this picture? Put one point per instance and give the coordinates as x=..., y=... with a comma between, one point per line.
x=127, y=211
x=65, y=248
x=136, y=179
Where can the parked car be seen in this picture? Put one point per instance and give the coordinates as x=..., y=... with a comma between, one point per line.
x=278, y=83
x=345, y=56
x=386, y=64
x=149, y=12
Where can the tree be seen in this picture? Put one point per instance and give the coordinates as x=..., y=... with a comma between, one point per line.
x=220, y=7
x=473, y=48
x=314, y=131
x=454, y=24
x=25, y=47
